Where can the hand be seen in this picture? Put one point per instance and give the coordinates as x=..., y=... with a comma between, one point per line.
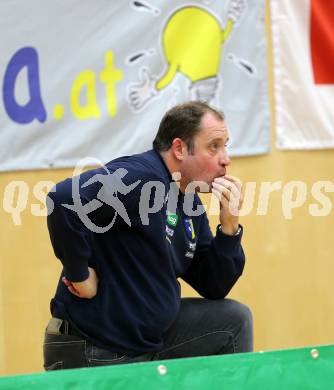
x=228, y=189
x=141, y=93
x=86, y=289
x=236, y=9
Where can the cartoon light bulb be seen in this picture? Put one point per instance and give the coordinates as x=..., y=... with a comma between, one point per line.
x=192, y=42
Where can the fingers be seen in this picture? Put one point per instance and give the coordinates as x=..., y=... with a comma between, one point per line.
x=231, y=183
x=229, y=180
x=221, y=190
x=217, y=194
x=73, y=291
x=65, y=281
x=85, y=289
x=228, y=188
x=70, y=287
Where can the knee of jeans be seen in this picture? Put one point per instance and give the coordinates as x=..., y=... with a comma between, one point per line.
x=238, y=312
x=243, y=313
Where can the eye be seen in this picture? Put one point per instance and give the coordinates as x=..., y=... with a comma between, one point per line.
x=214, y=146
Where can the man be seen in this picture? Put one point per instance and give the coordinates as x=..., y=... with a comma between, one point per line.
x=118, y=299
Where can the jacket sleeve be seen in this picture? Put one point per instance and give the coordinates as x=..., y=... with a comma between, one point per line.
x=70, y=228
x=217, y=264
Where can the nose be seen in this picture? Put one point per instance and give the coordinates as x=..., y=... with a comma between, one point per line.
x=224, y=159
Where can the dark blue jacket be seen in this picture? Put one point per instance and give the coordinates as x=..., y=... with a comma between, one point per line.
x=138, y=293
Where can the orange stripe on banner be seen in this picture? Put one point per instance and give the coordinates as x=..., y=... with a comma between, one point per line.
x=322, y=41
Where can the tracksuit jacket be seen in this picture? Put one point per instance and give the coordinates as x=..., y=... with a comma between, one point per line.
x=138, y=254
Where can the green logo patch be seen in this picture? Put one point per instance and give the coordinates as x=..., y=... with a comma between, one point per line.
x=172, y=219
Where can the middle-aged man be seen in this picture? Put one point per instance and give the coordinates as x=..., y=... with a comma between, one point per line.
x=126, y=231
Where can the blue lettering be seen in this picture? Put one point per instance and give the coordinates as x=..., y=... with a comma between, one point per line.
x=34, y=109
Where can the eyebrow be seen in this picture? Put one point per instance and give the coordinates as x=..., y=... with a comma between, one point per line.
x=218, y=139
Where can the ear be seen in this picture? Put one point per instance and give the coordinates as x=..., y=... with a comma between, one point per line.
x=179, y=149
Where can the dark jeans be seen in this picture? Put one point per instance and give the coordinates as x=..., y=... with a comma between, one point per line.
x=203, y=327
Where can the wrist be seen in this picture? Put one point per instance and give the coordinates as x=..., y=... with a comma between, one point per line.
x=230, y=231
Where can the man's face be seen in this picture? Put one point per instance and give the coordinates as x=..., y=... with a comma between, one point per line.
x=209, y=158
